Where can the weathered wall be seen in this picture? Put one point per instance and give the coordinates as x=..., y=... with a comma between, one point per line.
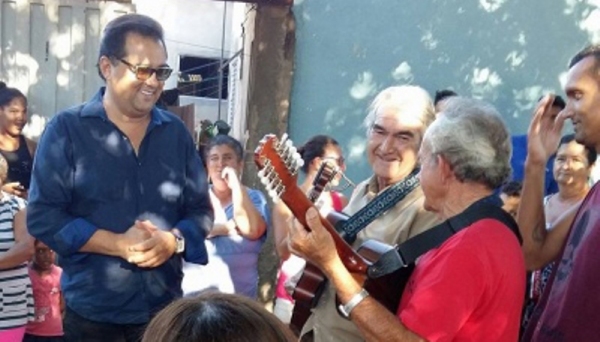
x=508, y=52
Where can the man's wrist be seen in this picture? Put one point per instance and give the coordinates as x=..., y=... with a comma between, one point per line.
x=535, y=164
x=178, y=242
x=122, y=246
x=347, y=308
x=332, y=267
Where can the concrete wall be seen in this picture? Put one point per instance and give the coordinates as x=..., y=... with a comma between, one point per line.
x=508, y=52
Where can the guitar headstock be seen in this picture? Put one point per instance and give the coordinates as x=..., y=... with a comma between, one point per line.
x=278, y=162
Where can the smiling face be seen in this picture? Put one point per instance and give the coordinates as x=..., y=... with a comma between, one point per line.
x=571, y=166
x=13, y=117
x=393, y=144
x=583, y=104
x=133, y=97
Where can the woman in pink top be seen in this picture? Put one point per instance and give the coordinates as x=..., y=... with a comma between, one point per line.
x=45, y=278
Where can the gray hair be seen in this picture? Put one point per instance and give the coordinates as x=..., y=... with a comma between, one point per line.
x=405, y=98
x=471, y=136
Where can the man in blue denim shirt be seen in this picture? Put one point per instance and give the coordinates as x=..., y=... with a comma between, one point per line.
x=120, y=193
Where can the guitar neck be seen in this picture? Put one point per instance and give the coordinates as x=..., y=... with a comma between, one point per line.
x=295, y=199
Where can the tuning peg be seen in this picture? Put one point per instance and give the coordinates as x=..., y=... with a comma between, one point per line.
x=299, y=160
x=281, y=144
x=292, y=150
x=264, y=180
x=279, y=189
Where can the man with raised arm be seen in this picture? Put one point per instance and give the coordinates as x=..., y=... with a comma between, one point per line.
x=568, y=308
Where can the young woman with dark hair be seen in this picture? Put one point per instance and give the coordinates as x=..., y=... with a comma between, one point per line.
x=14, y=146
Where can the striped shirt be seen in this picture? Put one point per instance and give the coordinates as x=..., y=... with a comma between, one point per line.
x=16, y=295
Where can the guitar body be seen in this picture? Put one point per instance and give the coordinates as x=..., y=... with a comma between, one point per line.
x=306, y=295
x=387, y=289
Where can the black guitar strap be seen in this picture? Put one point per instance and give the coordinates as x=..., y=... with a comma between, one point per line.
x=407, y=252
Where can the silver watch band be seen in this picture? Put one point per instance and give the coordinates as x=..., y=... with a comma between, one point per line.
x=353, y=302
x=180, y=242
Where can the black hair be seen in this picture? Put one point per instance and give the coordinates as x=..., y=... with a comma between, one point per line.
x=115, y=34
x=222, y=127
x=314, y=148
x=443, y=94
x=590, y=50
x=590, y=153
x=512, y=189
x=7, y=95
x=216, y=317
x=558, y=101
x=222, y=139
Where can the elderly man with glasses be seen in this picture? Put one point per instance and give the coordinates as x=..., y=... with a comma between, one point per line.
x=120, y=193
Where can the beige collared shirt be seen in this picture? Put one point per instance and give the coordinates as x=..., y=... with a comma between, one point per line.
x=405, y=220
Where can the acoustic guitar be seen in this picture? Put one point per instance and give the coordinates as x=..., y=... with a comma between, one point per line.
x=278, y=165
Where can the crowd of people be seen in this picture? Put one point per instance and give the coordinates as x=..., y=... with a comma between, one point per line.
x=117, y=228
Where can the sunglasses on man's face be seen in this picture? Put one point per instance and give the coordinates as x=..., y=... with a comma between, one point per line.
x=143, y=72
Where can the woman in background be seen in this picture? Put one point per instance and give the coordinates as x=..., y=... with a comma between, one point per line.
x=314, y=152
x=239, y=230
x=14, y=146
